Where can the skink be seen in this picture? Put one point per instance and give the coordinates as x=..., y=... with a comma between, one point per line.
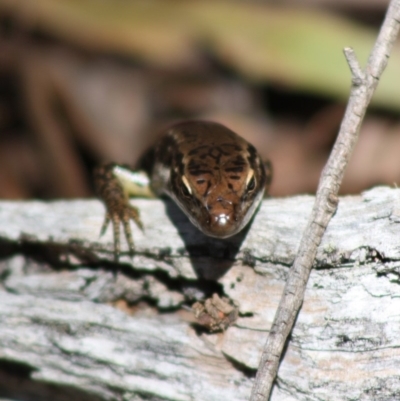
x=215, y=176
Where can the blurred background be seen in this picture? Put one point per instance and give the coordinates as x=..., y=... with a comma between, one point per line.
x=88, y=81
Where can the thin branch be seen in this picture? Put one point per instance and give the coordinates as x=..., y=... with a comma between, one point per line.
x=363, y=87
x=357, y=73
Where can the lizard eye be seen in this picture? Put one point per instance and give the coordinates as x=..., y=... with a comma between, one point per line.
x=251, y=181
x=186, y=189
x=251, y=185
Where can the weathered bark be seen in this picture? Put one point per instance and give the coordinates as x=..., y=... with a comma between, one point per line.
x=63, y=336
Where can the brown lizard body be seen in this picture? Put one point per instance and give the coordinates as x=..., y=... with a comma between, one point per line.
x=215, y=176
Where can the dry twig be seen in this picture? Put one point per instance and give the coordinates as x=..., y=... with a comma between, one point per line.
x=364, y=83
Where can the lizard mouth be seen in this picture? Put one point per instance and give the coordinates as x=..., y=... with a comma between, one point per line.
x=222, y=225
x=221, y=218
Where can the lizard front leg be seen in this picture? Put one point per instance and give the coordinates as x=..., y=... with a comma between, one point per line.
x=114, y=184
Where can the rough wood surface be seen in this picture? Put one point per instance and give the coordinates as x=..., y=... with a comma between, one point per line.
x=64, y=333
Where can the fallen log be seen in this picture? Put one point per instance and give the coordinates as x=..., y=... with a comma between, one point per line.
x=76, y=325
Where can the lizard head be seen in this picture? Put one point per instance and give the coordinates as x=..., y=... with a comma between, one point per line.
x=219, y=183
x=219, y=206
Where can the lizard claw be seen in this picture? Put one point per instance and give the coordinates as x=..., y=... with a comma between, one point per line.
x=107, y=219
x=122, y=216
